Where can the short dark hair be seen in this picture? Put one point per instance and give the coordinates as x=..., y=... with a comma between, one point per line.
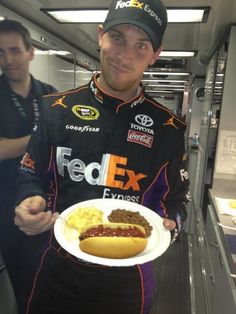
x=12, y=26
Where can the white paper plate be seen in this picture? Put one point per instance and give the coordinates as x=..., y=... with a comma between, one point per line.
x=158, y=242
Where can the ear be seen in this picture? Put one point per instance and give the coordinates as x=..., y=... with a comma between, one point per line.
x=31, y=53
x=156, y=55
x=100, y=34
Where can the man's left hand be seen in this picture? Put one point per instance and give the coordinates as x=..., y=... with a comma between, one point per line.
x=169, y=224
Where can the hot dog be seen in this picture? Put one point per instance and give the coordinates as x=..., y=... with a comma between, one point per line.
x=113, y=240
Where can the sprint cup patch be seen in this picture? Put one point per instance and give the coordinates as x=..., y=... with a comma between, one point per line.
x=140, y=138
x=85, y=112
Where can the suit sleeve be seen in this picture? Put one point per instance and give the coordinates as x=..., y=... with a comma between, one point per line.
x=35, y=170
x=178, y=181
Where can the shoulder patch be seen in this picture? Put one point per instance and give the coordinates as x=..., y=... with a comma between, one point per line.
x=59, y=102
x=174, y=121
x=171, y=122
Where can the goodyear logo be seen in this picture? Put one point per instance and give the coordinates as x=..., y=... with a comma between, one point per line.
x=85, y=112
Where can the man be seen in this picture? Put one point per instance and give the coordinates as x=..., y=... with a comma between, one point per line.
x=20, y=105
x=89, y=144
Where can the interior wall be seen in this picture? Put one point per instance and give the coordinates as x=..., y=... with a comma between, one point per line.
x=171, y=103
x=195, y=107
x=226, y=147
x=82, y=76
x=61, y=73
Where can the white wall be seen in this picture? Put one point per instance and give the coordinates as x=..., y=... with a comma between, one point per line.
x=226, y=152
x=61, y=73
x=82, y=76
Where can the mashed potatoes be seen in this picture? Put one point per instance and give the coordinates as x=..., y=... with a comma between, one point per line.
x=84, y=216
x=232, y=204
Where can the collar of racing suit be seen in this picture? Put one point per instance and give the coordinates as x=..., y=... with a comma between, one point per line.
x=117, y=103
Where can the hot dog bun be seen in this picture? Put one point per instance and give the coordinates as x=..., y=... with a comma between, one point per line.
x=113, y=240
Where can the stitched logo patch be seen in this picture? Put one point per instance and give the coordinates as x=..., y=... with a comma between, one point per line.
x=140, y=138
x=85, y=112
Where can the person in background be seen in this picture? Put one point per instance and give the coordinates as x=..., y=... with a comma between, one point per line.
x=106, y=139
x=20, y=106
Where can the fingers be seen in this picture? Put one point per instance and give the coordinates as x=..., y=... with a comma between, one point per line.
x=34, y=204
x=31, y=218
x=23, y=215
x=169, y=224
x=36, y=227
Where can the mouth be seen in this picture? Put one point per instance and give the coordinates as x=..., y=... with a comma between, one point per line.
x=120, y=67
x=10, y=69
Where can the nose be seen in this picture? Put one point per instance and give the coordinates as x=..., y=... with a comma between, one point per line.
x=7, y=58
x=126, y=53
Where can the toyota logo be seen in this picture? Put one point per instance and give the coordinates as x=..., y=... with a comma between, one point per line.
x=143, y=120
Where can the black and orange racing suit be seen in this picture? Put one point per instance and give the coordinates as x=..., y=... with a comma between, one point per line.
x=90, y=145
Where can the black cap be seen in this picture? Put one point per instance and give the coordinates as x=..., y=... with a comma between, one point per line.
x=149, y=15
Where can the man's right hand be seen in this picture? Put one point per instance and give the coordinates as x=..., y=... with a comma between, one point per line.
x=31, y=217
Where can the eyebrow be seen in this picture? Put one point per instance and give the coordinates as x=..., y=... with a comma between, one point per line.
x=146, y=39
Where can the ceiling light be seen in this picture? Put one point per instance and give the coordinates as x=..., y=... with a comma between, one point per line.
x=51, y=52
x=175, y=15
x=179, y=54
x=2, y=18
x=191, y=15
x=77, y=16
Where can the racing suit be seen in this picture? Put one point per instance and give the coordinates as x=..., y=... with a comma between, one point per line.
x=90, y=145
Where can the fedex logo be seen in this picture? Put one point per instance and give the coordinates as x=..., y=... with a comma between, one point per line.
x=183, y=174
x=139, y=5
x=131, y=3
x=111, y=172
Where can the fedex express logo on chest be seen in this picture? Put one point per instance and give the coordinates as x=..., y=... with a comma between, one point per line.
x=103, y=174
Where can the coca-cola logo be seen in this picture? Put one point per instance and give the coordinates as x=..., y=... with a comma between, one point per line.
x=140, y=138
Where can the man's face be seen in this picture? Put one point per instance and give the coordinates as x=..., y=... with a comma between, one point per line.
x=126, y=52
x=14, y=57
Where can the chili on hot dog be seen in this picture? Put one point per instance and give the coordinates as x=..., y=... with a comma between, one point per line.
x=113, y=240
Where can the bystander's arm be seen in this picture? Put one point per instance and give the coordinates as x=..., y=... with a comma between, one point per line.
x=14, y=147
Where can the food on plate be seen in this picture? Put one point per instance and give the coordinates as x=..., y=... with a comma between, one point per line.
x=128, y=216
x=113, y=240
x=232, y=204
x=83, y=216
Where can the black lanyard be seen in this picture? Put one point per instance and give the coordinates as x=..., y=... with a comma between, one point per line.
x=21, y=109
